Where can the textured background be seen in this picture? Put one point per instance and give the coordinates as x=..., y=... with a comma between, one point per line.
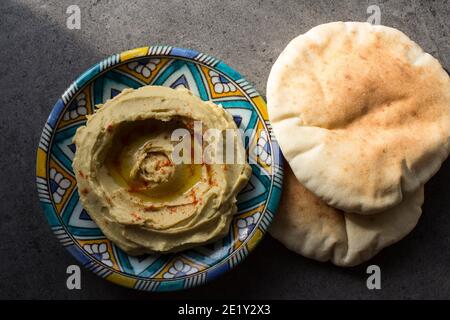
x=39, y=59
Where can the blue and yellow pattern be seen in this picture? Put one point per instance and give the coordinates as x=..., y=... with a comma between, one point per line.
x=210, y=79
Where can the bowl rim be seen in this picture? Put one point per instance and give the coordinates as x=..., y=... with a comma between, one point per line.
x=59, y=227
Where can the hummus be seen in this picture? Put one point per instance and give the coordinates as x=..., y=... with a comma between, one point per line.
x=130, y=185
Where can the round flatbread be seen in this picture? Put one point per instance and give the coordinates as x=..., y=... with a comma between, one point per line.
x=361, y=114
x=308, y=226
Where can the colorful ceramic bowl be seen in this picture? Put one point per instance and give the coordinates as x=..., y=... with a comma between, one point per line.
x=210, y=79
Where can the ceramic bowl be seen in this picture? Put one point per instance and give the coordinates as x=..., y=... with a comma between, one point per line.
x=210, y=79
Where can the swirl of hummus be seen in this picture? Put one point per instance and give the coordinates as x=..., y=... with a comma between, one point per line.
x=132, y=186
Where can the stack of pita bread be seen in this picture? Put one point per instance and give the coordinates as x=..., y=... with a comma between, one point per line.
x=362, y=116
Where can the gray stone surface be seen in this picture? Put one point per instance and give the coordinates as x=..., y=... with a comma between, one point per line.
x=39, y=58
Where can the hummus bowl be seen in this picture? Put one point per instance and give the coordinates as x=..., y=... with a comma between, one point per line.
x=209, y=79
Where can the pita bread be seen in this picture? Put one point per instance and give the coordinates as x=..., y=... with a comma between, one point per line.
x=308, y=226
x=369, y=110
